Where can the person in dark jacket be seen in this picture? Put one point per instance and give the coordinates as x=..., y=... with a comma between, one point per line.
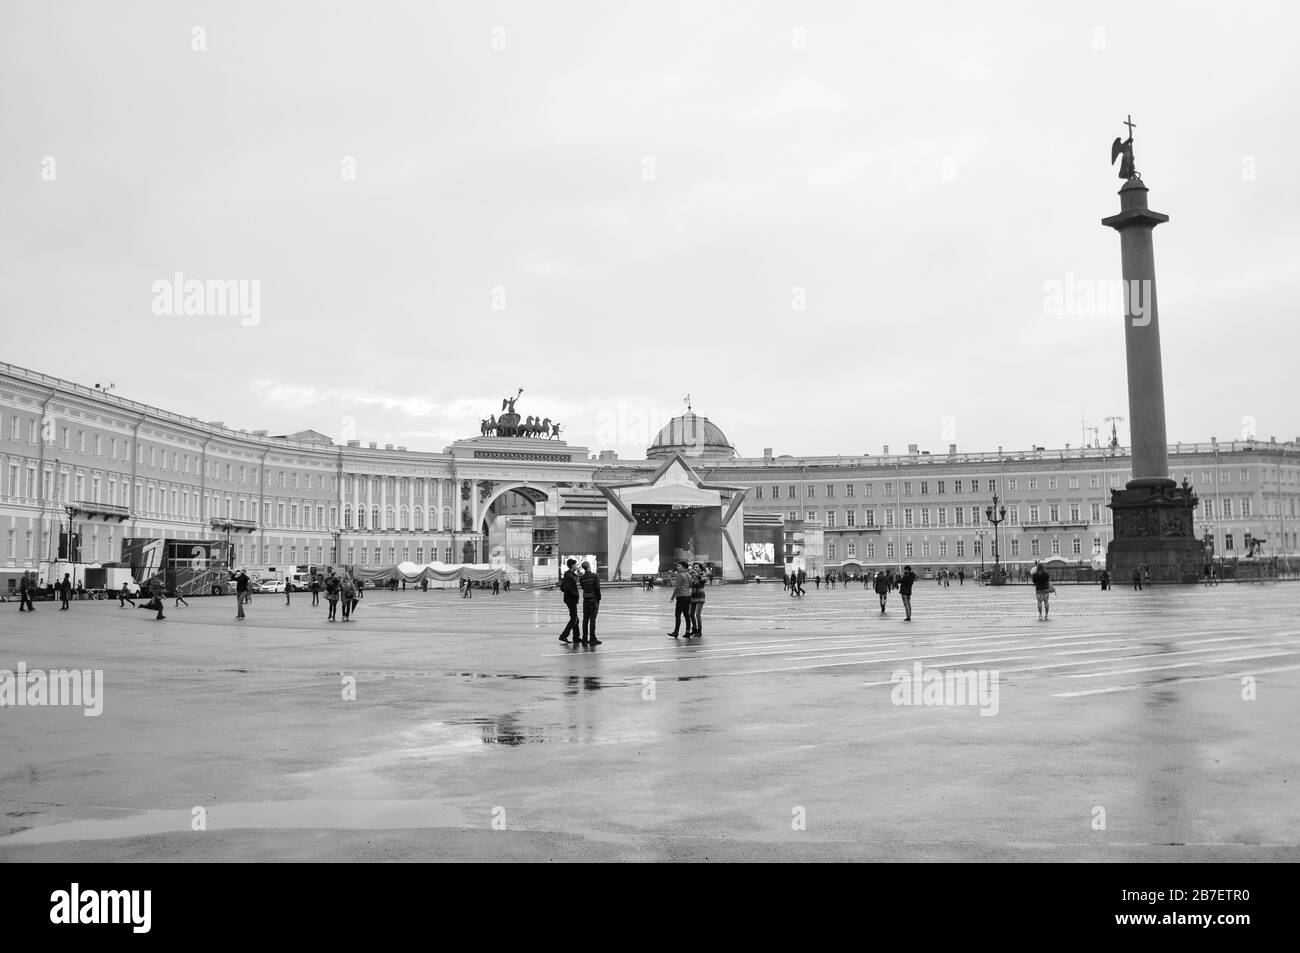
x=241, y=593
x=905, y=583
x=569, y=588
x=124, y=596
x=699, y=580
x=882, y=589
x=590, y=583
x=681, y=600
x=65, y=591
x=25, y=593
x=1042, y=590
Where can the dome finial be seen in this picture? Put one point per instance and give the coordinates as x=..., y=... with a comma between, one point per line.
x=687, y=401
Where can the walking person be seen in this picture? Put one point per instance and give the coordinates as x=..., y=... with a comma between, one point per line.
x=699, y=580
x=288, y=588
x=1042, y=590
x=315, y=590
x=569, y=590
x=348, y=596
x=496, y=585
x=1137, y=579
x=590, y=583
x=65, y=591
x=241, y=593
x=961, y=577
x=681, y=598
x=179, y=598
x=123, y=597
x=882, y=590
x=905, y=583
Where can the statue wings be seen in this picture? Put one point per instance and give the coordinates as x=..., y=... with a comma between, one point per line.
x=1116, y=149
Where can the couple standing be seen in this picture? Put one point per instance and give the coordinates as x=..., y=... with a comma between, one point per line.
x=688, y=597
x=588, y=585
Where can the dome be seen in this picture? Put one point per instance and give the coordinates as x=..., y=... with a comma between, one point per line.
x=693, y=437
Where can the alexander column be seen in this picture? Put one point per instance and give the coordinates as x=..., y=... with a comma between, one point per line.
x=1154, y=526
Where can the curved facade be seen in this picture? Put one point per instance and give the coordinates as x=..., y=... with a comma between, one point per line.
x=128, y=470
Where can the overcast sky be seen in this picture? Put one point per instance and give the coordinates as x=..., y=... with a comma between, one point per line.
x=833, y=224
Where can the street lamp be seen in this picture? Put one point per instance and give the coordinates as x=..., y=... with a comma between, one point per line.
x=995, y=515
x=336, y=534
x=980, y=534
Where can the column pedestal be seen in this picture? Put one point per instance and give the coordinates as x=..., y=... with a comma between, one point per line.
x=1154, y=530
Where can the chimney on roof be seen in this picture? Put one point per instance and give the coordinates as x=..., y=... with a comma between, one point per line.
x=388, y=446
x=401, y=448
x=911, y=448
x=217, y=423
x=373, y=445
x=952, y=450
x=767, y=453
x=354, y=443
x=260, y=433
x=886, y=451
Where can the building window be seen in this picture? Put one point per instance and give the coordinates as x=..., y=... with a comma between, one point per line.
x=1011, y=484
x=848, y=489
x=974, y=516
x=1013, y=514
x=1243, y=476
x=871, y=550
x=830, y=490
x=1052, y=483
x=956, y=486
x=758, y=492
x=907, y=488
x=960, y=513
x=943, y=516
x=1096, y=545
x=830, y=550
x=869, y=517
x=925, y=487
x=925, y=549
x=812, y=491
x=907, y=517
x=851, y=518
x=977, y=547
x=852, y=549
x=889, y=488
x=939, y=488
x=1095, y=512
x=1227, y=508
x=1074, y=482
x=889, y=517
x=889, y=547
x=812, y=516
x=1054, y=513
x=794, y=514
x=961, y=548
x=1227, y=542
x=1015, y=547
x=869, y=488
x=974, y=486
x=790, y=494
x=1245, y=506
x=1075, y=547
x=1033, y=547
x=925, y=516
x=1094, y=480
x=943, y=549
x=1074, y=512
x=830, y=519
x=907, y=550
x=1033, y=483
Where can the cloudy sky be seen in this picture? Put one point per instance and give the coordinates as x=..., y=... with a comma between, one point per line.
x=836, y=225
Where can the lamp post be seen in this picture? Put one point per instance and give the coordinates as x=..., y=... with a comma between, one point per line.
x=980, y=534
x=995, y=515
x=336, y=534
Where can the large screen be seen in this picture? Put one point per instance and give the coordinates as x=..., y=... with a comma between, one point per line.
x=643, y=555
x=760, y=554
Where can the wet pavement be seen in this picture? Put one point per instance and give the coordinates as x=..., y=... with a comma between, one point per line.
x=1156, y=725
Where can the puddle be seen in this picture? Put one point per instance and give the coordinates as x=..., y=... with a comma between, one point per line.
x=505, y=730
x=312, y=813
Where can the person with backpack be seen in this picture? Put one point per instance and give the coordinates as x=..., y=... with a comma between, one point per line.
x=681, y=599
x=332, y=597
x=882, y=589
x=347, y=596
x=241, y=593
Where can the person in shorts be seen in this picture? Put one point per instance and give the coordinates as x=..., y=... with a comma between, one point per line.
x=1042, y=590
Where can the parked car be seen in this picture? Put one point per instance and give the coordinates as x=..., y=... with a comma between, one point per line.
x=269, y=585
